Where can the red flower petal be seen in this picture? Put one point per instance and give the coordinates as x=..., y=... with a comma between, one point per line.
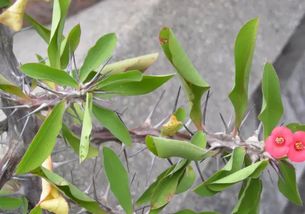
x=297, y=149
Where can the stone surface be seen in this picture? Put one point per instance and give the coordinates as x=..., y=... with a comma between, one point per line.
x=207, y=30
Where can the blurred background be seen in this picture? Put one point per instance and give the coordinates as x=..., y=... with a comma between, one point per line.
x=207, y=30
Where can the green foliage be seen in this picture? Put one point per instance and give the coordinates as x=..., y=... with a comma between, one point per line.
x=296, y=127
x=44, y=141
x=165, y=148
x=272, y=108
x=74, y=142
x=192, y=82
x=244, y=49
x=187, y=211
x=43, y=72
x=4, y=3
x=118, y=179
x=86, y=129
x=287, y=183
x=11, y=88
x=10, y=203
x=70, y=191
x=43, y=32
x=146, y=85
x=98, y=54
x=249, y=199
x=112, y=122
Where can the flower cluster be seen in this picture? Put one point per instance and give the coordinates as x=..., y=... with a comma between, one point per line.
x=282, y=142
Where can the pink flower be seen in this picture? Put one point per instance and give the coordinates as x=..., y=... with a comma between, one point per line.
x=278, y=143
x=297, y=148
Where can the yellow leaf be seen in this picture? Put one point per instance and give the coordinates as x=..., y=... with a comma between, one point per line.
x=171, y=127
x=50, y=198
x=13, y=16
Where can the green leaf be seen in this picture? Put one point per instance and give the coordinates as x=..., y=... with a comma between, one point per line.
x=180, y=114
x=140, y=63
x=5, y=3
x=11, y=88
x=43, y=142
x=252, y=171
x=165, y=148
x=74, y=142
x=111, y=121
x=86, y=129
x=69, y=45
x=186, y=180
x=36, y=210
x=60, y=10
x=249, y=200
x=120, y=78
x=192, y=82
x=272, y=108
x=146, y=196
x=9, y=203
x=234, y=164
x=296, y=127
x=70, y=191
x=44, y=72
x=98, y=54
x=199, y=139
x=118, y=179
x=244, y=49
x=39, y=28
x=288, y=185
x=145, y=86
x=165, y=190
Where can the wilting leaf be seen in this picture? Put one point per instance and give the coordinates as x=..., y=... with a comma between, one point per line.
x=244, y=49
x=44, y=72
x=171, y=127
x=113, y=123
x=86, y=129
x=40, y=29
x=140, y=63
x=13, y=16
x=74, y=142
x=43, y=142
x=70, y=191
x=118, y=179
x=287, y=184
x=234, y=164
x=192, y=82
x=165, y=148
x=272, y=108
x=249, y=200
x=145, y=86
x=98, y=54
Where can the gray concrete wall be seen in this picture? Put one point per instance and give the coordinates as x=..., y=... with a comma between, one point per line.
x=207, y=30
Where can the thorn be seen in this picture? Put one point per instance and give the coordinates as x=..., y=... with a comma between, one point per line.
x=13, y=107
x=150, y=170
x=133, y=178
x=199, y=171
x=177, y=99
x=224, y=123
x=137, y=152
x=75, y=66
x=161, y=122
x=126, y=159
x=270, y=176
x=48, y=89
x=170, y=161
x=62, y=163
x=205, y=106
x=148, y=119
x=24, y=126
x=43, y=105
x=188, y=130
x=96, y=76
x=246, y=117
x=258, y=131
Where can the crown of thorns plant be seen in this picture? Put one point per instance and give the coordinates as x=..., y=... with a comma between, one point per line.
x=65, y=100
